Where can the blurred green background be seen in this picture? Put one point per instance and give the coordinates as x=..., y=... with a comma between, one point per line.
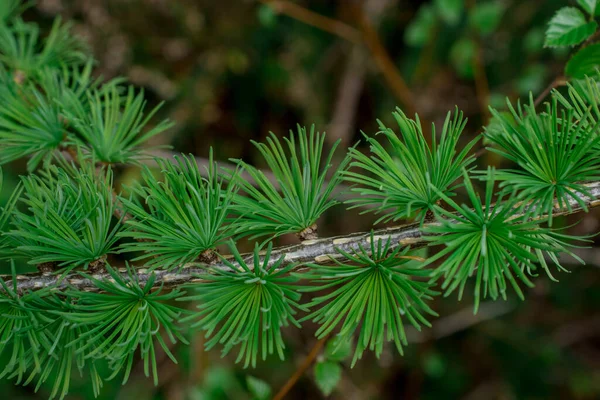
x=230, y=71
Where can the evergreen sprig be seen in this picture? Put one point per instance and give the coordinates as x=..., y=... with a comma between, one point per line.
x=25, y=52
x=305, y=190
x=68, y=221
x=246, y=305
x=490, y=242
x=373, y=289
x=123, y=320
x=111, y=126
x=557, y=151
x=185, y=215
x=399, y=183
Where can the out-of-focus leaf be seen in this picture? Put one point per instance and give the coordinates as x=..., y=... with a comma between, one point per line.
x=450, y=10
x=588, y=5
x=461, y=57
x=327, y=376
x=532, y=79
x=259, y=389
x=533, y=42
x=338, y=350
x=485, y=17
x=266, y=15
x=420, y=29
x=568, y=27
x=584, y=62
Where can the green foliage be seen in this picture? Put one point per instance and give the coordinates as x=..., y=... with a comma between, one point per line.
x=584, y=63
x=111, y=127
x=68, y=220
x=400, y=182
x=30, y=124
x=24, y=51
x=21, y=335
x=556, y=151
x=259, y=389
x=372, y=289
x=125, y=319
x=568, y=27
x=327, y=376
x=450, y=10
x=490, y=241
x=185, y=214
x=304, y=192
x=246, y=305
x=485, y=17
x=589, y=6
x=421, y=28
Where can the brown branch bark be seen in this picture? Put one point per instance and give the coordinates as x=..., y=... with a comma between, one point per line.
x=309, y=251
x=310, y=358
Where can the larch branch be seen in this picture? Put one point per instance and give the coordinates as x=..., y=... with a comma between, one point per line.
x=319, y=251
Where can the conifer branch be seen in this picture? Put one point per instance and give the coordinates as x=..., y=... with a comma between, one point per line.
x=318, y=251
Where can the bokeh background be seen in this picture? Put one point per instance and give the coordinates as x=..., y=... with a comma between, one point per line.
x=230, y=71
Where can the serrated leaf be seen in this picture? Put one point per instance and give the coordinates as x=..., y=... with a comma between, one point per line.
x=259, y=389
x=485, y=17
x=338, y=349
x=420, y=30
x=588, y=5
x=327, y=376
x=450, y=10
x=584, y=62
x=568, y=27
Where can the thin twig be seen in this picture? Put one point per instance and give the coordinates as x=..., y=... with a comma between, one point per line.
x=314, y=352
x=385, y=63
x=367, y=35
x=319, y=251
x=557, y=82
x=326, y=24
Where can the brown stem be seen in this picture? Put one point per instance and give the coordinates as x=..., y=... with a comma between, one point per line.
x=557, y=82
x=367, y=34
x=326, y=24
x=385, y=63
x=310, y=358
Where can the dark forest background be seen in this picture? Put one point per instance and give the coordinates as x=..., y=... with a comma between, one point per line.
x=230, y=71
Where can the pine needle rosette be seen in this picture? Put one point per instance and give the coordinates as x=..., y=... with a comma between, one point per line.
x=68, y=221
x=496, y=244
x=557, y=151
x=25, y=52
x=372, y=290
x=185, y=215
x=246, y=305
x=303, y=193
x=111, y=126
x=21, y=332
x=126, y=319
x=399, y=183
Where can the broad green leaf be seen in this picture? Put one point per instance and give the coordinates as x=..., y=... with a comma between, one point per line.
x=584, y=62
x=485, y=17
x=259, y=389
x=568, y=27
x=588, y=5
x=420, y=30
x=450, y=10
x=327, y=376
x=338, y=349
x=461, y=57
